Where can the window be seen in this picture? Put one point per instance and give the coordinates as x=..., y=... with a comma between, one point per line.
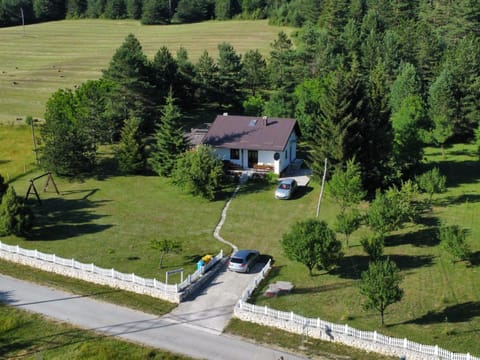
x=234, y=154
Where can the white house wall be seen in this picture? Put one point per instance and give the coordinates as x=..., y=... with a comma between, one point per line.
x=265, y=157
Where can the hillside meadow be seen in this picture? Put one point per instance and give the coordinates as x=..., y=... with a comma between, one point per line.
x=110, y=220
x=42, y=58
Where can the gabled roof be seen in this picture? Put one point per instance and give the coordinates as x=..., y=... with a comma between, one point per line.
x=248, y=132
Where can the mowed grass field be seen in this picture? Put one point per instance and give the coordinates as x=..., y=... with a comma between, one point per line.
x=110, y=221
x=43, y=58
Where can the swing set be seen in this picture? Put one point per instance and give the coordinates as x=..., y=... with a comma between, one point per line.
x=32, y=185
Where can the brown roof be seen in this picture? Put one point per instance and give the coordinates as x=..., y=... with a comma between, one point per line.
x=248, y=132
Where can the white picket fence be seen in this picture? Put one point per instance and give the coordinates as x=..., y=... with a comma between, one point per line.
x=368, y=340
x=106, y=276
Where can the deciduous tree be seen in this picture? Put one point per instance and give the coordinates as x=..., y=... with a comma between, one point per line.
x=166, y=246
x=312, y=243
x=454, y=240
x=381, y=285
x=199, y=172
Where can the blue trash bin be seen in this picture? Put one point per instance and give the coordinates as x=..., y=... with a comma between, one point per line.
x=200, y=264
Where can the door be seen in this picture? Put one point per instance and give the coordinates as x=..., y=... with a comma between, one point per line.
x=252, y=158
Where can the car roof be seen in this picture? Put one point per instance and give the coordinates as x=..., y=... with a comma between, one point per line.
x=242, y=253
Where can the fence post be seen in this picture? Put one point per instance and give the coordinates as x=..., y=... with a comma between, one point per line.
x=468, y=356
x=73, y=263
x=133, y=278
x=266, y=310
x=92, y=267
x=113, y=273
x=375, y=336
x=404, y=343
x=36, y=254
x=436, y=350
x=154, y=283
x=291, y=315
x=318, y=322
x=54, y=259
x=17, y=249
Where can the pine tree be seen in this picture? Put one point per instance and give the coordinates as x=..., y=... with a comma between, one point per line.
x=406, y=84
x=165, y=70
x=170, y=142
x=129, y=151
x=155, y=12
x=332, y=132
x=206, y=78
x=130, y=73
x=254, y=71
x=229, y=76
x=15, y=217
x=184, y=87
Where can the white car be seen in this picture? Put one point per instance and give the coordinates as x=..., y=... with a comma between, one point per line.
x=286, y=188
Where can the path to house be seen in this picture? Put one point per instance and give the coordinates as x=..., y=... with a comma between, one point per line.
x=132, y=325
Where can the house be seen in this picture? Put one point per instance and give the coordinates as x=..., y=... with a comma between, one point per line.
x=254, y=142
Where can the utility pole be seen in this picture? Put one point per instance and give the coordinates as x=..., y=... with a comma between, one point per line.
x=23, y=21
x=34, y=141
x=321, y=191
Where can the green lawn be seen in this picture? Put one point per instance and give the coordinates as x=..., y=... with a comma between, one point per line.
x=110, y=221
x=30, y=336
x=61, y=54
x=442, y=300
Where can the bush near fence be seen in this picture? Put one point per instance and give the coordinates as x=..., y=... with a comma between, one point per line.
x=324, y=330
x=109, y=277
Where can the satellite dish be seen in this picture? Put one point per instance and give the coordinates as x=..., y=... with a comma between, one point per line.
x=276, y=156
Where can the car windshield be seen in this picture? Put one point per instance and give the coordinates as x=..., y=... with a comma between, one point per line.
x=236, y=260
x=284, y=186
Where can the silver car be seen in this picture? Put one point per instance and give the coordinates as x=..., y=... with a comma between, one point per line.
x=286, y=188
x=243, y=260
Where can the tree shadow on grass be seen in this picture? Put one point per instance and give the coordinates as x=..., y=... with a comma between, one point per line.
x=459, y=172
x=455, y=313
x=351, y=267
x=457, y=200
x=475, y=258
x=323, y=288
x=420, y=238
x=59, y=218
x=407, y=262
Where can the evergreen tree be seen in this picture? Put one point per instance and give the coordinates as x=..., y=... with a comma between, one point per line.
x=229, y=66
x=189, y=11
x=407, y=135
x=377, y=130
x=129, y=151
x=46, y=10
x=206, y=78
x=3, y=187
x=442, y=108
x=95, y=8
x=15, y=217
x=226, y=9
x=76, y=8
x=130, y=74
x=406, y=84
x=115, y=9
x=134, y=9
x=281, y=64
x=333, y=132
x=165, y=71
x=254, y=71
x=184, y=87
x=155, y=12
x=334, y=16
x=170, y=142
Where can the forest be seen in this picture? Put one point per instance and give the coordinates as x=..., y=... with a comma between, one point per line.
x=369, y=80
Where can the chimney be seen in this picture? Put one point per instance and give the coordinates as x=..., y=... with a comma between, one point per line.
x=265, y=120
x=225, y=114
